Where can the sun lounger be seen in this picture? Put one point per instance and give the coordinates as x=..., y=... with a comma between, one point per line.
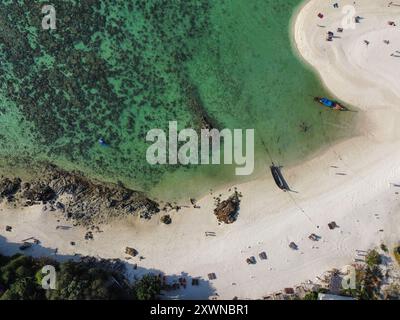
x=293, y=246
x=263, y=256
x=212, y=276
x=313, y=237
x=251, y=260
x=332, y=225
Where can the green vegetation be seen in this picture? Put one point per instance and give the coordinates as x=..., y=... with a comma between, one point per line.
x=397, y=254
x=148, y=287
x=368, y=283
x=368, y=278
x=373, y=258
x=21, y=278
x=311, y=296
x=384, y=248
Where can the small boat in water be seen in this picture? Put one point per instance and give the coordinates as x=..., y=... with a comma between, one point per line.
x=103, y=143
x=330, y=104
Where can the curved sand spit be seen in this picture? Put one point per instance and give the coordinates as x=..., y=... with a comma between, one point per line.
x=350, y=183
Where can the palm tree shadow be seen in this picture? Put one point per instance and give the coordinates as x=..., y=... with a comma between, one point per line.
x=199, y=289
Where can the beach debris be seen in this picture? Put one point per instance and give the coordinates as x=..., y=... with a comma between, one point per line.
x=72, y=243
x=320, y=15
x=212, y=276
x=34, y=240
x=293, y=246
x=210, y=234
x=332, y=225
x=131, y=251
x=263, y=255
x=63, y=227
x=89, y=235
x=251, y=260
x=166, y=219
x=8, y=228
x=25, y=246
x=227, y=210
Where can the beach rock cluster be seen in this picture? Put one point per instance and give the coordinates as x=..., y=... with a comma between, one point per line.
x=227, y=210
x=79, y=198
x=8, y=187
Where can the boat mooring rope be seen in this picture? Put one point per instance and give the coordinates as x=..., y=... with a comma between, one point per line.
x=269, y=154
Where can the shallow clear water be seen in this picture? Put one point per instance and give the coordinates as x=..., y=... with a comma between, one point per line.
x=116, y=69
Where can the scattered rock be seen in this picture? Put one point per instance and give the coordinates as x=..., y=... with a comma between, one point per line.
x=166, y=219
x=131, y=251
x=89, y=235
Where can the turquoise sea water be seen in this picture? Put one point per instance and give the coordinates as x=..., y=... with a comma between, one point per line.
x=116, y=69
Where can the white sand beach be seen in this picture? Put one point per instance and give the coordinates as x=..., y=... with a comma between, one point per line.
x=350, y=183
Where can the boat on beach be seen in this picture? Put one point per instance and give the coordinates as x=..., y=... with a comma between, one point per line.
x=278, y=177
x=334, y=105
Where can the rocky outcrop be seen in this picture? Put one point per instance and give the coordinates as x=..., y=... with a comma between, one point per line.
x=38, y=191
x=227, y=210
x=80, y=198
x=8, y=187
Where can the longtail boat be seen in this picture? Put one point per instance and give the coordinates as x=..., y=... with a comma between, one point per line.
x=278, y=177
x=334, y=105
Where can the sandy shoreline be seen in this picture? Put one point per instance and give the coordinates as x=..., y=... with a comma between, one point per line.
x=350, y=183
